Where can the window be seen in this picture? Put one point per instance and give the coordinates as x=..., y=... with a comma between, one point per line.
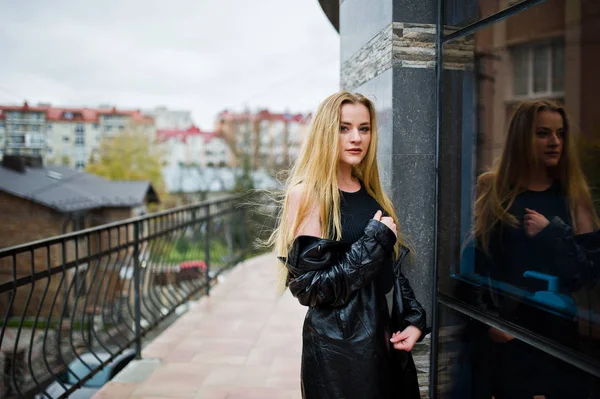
x=16, y=139
x=79, y=135
x=79, y=165
x=538, y=70
x=37, y=152
x=66, y=139
x=519, y=295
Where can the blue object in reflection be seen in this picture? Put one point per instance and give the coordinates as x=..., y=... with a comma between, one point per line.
x=552, y=297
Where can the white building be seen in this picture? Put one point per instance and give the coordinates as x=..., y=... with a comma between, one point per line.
x=168, y=119
x=194, y=147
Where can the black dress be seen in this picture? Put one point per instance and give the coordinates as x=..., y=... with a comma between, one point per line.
x=356, y=210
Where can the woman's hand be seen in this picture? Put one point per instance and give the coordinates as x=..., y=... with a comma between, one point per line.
x=388, y=221
x=405, y=340
x=534, y=222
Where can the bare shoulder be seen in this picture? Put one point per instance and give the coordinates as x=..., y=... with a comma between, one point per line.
x=304, y=205
x=296, y=192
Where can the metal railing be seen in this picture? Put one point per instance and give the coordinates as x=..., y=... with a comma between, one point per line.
x=101, y=290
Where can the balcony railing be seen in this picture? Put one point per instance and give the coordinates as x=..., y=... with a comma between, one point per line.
x=100, y=291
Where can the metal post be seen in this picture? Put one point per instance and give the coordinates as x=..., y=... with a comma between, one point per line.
x=207, y=249
x=137, y=288
x=243, y=240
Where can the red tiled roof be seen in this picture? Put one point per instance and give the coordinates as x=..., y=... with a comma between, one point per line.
x=57, y=114
x=135, y=115
x=22, y=108
x=182, y=135
x=77, y=114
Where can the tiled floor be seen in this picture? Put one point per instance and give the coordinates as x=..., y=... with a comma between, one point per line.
x=241, y=342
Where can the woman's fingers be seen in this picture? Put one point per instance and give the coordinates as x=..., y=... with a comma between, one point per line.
x=377, y=215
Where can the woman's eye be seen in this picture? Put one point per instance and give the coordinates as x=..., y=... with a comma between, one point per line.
x=343, y=128
x=541, y=133
x=365, y=129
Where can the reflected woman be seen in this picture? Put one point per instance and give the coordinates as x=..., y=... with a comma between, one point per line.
x=527, y=213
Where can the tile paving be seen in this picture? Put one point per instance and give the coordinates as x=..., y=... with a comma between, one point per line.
x=243, y=341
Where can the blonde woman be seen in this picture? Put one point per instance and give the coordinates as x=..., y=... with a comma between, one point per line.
x=527, y=215
x=341, y=256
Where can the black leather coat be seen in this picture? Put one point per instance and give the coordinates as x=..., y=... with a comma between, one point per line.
x=346, y=348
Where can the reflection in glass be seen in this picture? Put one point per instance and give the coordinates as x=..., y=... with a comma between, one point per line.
x=470, y=366
x=529, y=209
x=519, y=198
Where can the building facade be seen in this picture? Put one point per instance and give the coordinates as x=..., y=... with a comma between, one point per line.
x=23, y=130
x=264, y=139
x=193, y=147
x=447, y=77
x=65, y=136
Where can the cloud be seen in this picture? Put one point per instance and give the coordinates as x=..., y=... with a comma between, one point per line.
x=204, y=56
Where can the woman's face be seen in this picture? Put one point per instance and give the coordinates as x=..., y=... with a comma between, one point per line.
x=549, y=137
x=355, y=133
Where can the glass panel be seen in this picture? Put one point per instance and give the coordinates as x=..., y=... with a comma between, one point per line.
x=476, y=361
x=540, y=69
x=460, y=13
x=519, y=233
x=558, y=67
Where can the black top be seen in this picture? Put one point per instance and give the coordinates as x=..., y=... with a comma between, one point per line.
x=515, y=252
x=356, y=210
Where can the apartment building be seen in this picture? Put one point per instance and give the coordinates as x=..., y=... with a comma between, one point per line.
x=23, y=130
x=65, y=136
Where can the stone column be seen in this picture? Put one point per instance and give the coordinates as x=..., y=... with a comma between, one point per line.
x=388, y=54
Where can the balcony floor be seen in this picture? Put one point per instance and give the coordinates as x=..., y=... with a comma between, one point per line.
x=241, y=342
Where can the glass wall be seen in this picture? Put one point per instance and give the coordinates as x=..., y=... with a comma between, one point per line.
x=518, y=237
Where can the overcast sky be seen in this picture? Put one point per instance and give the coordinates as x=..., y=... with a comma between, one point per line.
x=197, y=55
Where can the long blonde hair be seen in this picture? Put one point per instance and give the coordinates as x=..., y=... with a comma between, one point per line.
x=497, y=189
x=316, y=169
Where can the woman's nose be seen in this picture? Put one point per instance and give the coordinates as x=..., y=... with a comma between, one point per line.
x=355, y=136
